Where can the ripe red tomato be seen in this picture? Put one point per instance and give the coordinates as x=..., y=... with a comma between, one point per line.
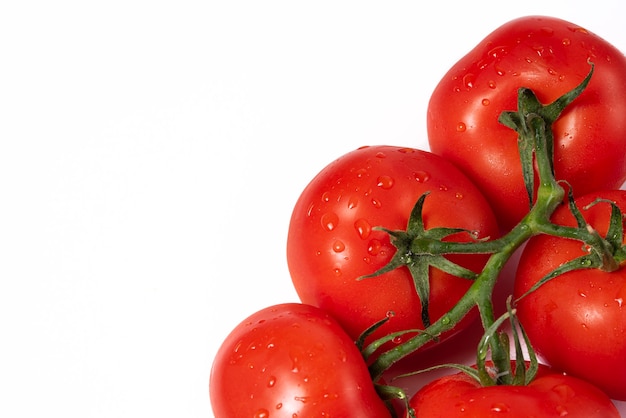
x=550, y=394
x=549, y=56
x=332, y=241
x=576, y=321
x=291, y=360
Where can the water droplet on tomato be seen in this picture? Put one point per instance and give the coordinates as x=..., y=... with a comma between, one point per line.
x=459, y=195
x=578, y=29
x=337, y=272
x=491, y=84
x=363, y=228
x=485, y=102
x=385, y=182
x=390, y=314
x=547, y=31
x=566, y=42
x=353, y=202
x=460, y=127
x=406, y=150
x=582, y=294
x=360, y=172
x=421, y=176
x=303, y=399
x=468, y=80
x=380, y=155
x=564, y=391
x=325, y=197
x=262, y=413
x=329, y=221
x=562, y=411
x=279, y=405
x=500, y=407
x=374, y=247
x=271, y=382
x=376, y=203
x=499, y=70
x=338, y=246
x=443, y=187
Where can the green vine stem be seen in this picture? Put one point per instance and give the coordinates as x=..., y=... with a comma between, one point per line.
x=533, y=123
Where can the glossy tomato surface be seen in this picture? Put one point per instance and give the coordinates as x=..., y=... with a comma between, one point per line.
x=576, y=321
x=332, y=239
x=291, y=360
x=549, y=56
x=550, y=394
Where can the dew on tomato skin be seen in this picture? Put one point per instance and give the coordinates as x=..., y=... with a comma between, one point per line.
x=329, y=221
x=363, y=228
x=500, y=407
x=421, y=176
x=564, y=391
x=381, y=154
x=326, y=197
x=262, y=413
x=337, y=272
x=385, y=182
x=374, y=247
x=619, y=301
x=546, y=30
x=578, y=29
x=338, y=246
x=376, y=203
x=353, y=202
x=458, y=195
x=406, y=150
x=562, y=411
x=271, y=382
x=461, y=127
x=468, y=81
x=566, y=42
x=485, y=102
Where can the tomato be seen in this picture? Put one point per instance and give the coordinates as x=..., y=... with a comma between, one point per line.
x=576, y=321
x=332, y=240
x=549, y=56
x=291, y=360
x=550, y=394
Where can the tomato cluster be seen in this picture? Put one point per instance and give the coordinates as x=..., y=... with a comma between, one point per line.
x=394, y=250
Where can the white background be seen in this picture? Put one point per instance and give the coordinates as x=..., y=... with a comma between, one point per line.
x=150, y=156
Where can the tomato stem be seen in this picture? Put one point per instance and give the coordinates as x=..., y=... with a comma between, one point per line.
x=417, y=246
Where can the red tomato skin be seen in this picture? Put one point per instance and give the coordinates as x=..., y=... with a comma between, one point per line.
x=550, y=394
x=549, y=56
x=332, y=240
x=291, y=360
x=577, y=321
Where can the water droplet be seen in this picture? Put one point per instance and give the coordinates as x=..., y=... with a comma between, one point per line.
x=491, y=84
x=460, y=127
x=396, y=340
x=500, y=407
x=337, y=272
x=564, y=391
x=360, y=172
x=380, y=155
x=303, y=399
x=374, y=247
x=562, y=411
x=376, y=203
x=443, y=187
x=619, y=301
x=406, y=150
x=262, y=413
x=461, y=406
x=458, y=195
x=566, y=42
x=582, y=294
x=421, y=176
x=329, y=221
x=445, y=320
x=279, y=405
x=547, y=31
x=551, y=71
x=270, y=346
x=497, y=52
x=325, y=197
x=338, y=246
x=271, y=382
x=578, y=29
x=486, y=102
x=499, y=70
x=353, y=202
x=468, y=80
x=390, y=314
x=363, y=228
x=385, y=182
